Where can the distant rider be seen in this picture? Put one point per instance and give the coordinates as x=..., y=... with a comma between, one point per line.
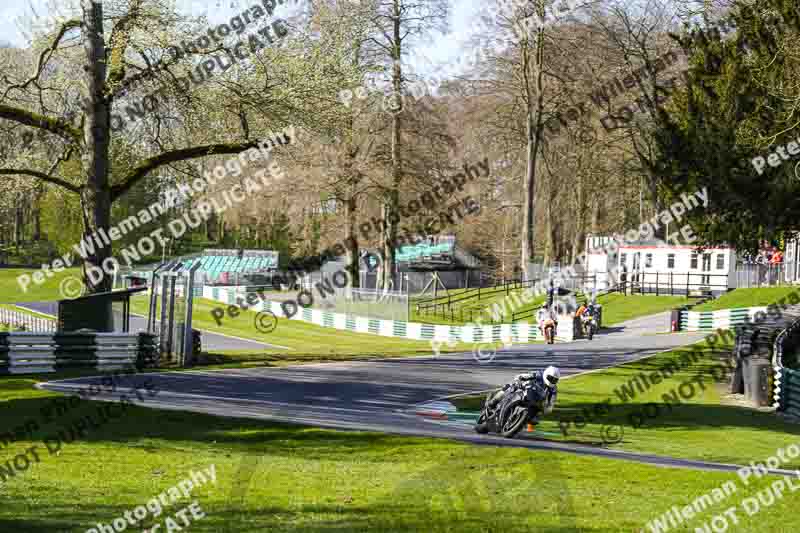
x=546, y=381
x=545, y=314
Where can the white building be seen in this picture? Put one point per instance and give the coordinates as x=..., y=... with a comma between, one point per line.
x=660, y=268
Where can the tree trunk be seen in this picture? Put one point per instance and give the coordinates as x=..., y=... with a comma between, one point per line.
x=580, y=221
x=96, y=195
x=353, y=263
x=533, y=130
x=391, y=204
x=18, y=225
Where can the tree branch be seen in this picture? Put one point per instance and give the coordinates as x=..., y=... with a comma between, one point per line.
x=68, y=25
x=118, y=44
x=42, y=176
x=150, y=164
x=59, y=126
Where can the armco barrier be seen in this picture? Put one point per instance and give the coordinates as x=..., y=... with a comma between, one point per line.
x=518, y=332
x=713, y=320
x=26, y=353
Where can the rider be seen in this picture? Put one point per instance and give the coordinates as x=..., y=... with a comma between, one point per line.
x=546, y=380
x=544, y=314
x=585, y=309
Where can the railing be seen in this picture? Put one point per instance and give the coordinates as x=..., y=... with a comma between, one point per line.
x=446, y=302
x=670, y=283
x=757, y=275
x=17, y=319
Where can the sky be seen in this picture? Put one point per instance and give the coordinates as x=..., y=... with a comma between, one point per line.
x=17, y=16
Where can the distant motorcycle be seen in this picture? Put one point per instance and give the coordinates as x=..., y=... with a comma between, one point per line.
x=521, y=404
x=589, y=323
x=549, y=329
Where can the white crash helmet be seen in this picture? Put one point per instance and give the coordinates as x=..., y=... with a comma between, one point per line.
x=550, y=376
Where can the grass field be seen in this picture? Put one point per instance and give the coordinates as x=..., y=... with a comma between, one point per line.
x=11, y=291
x=306, y=342
x=272, y=477
x=703, y=426
x=618, y=308
x=756, y=297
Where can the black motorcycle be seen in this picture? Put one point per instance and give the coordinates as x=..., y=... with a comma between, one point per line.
x=520, y=405
x=589, y=323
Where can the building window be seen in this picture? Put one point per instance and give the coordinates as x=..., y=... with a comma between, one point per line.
x=720, y=261
x=648, y=261
x=694, y=260
x=670, y=260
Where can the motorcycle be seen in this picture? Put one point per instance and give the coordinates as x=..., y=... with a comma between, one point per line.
x=589, y=323
x=549, y=330
x=520, y=405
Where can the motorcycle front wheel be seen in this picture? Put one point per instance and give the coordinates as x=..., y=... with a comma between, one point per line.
x=590, y=333
x=513, y=424
x=482, y=426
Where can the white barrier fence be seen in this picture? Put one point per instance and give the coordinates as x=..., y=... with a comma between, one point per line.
x=17, y=319
x=521, y=332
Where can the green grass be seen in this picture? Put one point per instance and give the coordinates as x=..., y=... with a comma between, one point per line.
x=619, y=308
x=754, y=297
x=702, y=427
x=474, y=309
x=11, y=291
x=306, y=342
x=284, y=478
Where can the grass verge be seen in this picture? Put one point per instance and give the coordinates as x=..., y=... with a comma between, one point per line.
x=754, y=297
x=272, y=477
x=704, y=425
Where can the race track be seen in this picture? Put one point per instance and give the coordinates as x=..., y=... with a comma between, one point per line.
x=380, y=395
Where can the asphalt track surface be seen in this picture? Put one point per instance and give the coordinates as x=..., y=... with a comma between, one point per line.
x=381, y=395
x=212, y=342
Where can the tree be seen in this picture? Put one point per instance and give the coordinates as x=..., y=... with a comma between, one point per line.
x=82, y=156
x=394, y=24
x=740, y=104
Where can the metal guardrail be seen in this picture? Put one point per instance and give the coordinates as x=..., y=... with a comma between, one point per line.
x=670, y=283
x=26, y=353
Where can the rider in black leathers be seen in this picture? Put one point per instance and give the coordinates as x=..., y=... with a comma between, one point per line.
x=545, y=380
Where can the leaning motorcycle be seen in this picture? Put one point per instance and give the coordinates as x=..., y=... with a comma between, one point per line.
x=520, y=405
x=589, y=323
